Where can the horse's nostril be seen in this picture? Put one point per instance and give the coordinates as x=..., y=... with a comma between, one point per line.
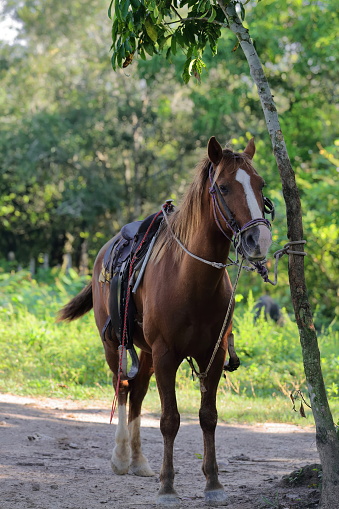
x=250, y=241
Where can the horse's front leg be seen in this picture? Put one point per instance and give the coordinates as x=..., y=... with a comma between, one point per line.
x=165, y=368
x=214, y=491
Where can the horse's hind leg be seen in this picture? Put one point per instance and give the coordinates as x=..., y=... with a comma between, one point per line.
x=214, y=491
x=138, y=389
x=121, y=455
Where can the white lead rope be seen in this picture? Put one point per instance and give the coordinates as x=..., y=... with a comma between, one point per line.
x=203, y=375
x=216, y=265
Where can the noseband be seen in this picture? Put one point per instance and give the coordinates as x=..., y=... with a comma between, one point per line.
x=220, y=206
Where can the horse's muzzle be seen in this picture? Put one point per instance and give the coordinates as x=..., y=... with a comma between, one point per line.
x=255, y=243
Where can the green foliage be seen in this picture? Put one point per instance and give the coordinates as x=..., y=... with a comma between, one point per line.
x=79, y=150
x=271, y=357
x=148, y=27
x=36, y=351
x=39, y=356
x=84, y=150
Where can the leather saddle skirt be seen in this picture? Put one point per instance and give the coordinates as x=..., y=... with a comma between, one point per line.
x=116, y=271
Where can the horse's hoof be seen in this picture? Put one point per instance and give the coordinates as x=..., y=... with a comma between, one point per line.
x=168, y=500
x=119, y=467
x=216, y=497
x=232, y=364
x=141, y=469
x=121, y=459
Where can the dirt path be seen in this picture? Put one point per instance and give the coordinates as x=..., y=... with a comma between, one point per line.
x=56, y=454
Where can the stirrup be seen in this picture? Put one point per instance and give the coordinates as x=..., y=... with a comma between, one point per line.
x=135, y=362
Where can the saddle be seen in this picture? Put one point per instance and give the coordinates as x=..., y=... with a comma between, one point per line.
x=134, y=242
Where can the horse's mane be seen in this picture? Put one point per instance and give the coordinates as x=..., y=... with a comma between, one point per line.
x=185, y=220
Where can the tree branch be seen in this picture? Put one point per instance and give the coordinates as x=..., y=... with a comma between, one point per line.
x=182, y=20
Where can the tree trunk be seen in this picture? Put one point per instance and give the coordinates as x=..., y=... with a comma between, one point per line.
x=326, y=437
x=83, y=265
x=68, y=250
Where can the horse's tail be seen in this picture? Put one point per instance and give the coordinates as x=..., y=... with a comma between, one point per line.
x=78, y=306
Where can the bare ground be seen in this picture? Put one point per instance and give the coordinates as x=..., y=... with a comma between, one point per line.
x=55, y=454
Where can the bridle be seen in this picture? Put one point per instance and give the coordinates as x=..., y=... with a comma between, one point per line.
x=227, y=216
x=221, y=209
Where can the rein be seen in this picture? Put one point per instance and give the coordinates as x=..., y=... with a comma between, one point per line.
x=203, y=375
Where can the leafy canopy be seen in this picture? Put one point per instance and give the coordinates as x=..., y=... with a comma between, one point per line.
x=149, y=27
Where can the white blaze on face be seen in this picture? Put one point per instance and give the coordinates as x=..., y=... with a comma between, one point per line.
x=245, y=180
x=262, y=238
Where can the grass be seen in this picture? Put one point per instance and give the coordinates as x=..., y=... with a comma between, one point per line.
x=39, y=357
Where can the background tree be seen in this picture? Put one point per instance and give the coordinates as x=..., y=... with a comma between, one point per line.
x=73, y=133
x=82, y=151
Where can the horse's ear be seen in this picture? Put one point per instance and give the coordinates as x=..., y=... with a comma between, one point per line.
x=214, y=151
x=250, y=149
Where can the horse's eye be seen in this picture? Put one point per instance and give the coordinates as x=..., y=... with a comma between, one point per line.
x=223, y=189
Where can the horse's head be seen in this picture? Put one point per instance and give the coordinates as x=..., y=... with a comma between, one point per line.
x=238, y=200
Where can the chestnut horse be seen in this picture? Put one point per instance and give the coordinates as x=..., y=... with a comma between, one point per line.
x=181, y=304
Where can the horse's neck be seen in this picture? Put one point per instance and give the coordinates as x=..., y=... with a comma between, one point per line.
x=209, y=243
x=212, y=246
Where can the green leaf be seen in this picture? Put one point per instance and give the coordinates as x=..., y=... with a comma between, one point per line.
x=149, y=48
x=110, y=9
x=118, y=11
x=190, y=67
x=212, y=16
x=186, y=74
x=142, y=53
x=180, y=38
x=115, y=28
x=133, y=42
x=121, y=54
x=189, y=52
x=151, y=29
x=204, y=14
x=173, y=45
x=198, y=65
x=113, y=60
x=202, y=6
x=128, y=47
x=188, y=35
x=124, y=9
